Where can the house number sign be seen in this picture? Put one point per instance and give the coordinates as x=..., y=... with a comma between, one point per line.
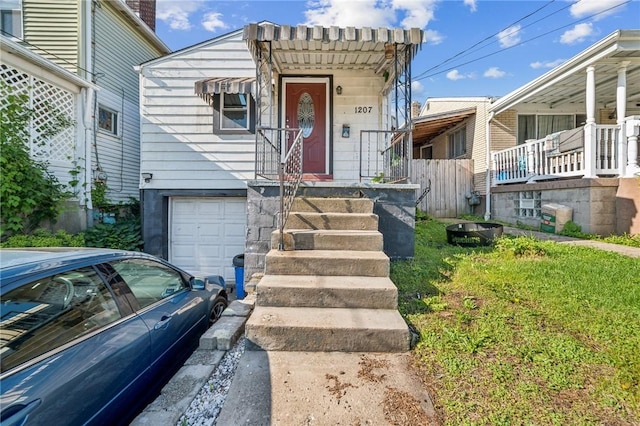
x=363, y=109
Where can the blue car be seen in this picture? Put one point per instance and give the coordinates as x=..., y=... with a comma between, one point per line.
x=88, y=336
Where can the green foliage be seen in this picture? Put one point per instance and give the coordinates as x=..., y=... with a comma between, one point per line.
x=99, y=195
x=29, y=193
x=44, y=238
x=524, y=332
x=124, y=235
x=572, y=229
x=625, y=240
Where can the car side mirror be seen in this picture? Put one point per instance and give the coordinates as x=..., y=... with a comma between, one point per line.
x=214, y=280
x=197, y=284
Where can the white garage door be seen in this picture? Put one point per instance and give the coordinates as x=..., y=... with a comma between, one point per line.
x=206, y=233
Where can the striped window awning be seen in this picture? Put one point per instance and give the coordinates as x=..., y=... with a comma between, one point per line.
x=212, y=86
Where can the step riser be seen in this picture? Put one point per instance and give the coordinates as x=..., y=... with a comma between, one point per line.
x=320, y=241
x=358, y=298
x=338, y=221
x=335, y=205
x=326, y=266
x=282, y=338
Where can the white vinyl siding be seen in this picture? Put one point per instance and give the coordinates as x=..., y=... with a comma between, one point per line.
x=119, y=47
x=179, y=145
x=53, y=27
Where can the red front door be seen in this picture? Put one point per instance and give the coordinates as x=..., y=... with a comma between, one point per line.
x=306, y=106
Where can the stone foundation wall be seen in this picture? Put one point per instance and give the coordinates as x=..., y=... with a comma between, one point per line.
x=594, y=202
x=394, y=205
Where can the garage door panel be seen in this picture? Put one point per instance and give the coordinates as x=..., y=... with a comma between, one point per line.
x=206, y=233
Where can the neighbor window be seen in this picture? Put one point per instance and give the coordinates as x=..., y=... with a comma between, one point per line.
x=11, y=18
x=108, y=120
x=233, y=112
x=532, y=126
x=458, y=143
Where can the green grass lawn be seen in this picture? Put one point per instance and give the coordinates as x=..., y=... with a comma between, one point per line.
x=524, y=332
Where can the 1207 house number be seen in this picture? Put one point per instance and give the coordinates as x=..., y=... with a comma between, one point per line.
x=363, y=109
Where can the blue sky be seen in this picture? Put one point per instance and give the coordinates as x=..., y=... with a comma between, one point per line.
x=473, y=47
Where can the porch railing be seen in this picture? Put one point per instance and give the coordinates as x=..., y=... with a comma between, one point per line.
x=544, y=157
x=279, y=156
x=384, y=155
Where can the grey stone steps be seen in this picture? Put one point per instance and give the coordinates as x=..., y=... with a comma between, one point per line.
x=336, y=205
x=327, y=292
x=327, y=263
x=342, y=221
x=313, y=239
x=327, y=329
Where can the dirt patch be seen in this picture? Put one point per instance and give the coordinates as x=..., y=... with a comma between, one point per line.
x=401, y=408
x=338, y=389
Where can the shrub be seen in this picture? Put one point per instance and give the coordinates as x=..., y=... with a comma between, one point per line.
x=124, y=235
x=44, y=238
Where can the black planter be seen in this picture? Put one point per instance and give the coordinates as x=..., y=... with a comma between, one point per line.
x=473, y=234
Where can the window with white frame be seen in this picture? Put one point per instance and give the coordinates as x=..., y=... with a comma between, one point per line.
x=457, y=143
x=532, y=126
x=11, y=18
x=108, y=120
x=233, y=113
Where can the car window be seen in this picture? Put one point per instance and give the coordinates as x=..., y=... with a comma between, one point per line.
x=45, y=314
x=149, y=281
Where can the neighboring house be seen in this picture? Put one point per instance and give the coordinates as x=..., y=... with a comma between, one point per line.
x=215, y=116
x=98, y=43
x=568, y=137
x=452, y=129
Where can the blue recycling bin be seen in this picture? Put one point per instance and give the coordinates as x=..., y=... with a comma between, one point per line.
x=238, y=264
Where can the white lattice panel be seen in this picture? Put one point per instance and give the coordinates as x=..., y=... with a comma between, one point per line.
x=47, y=101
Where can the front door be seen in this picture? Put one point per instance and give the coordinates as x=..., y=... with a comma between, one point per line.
x=306, y=109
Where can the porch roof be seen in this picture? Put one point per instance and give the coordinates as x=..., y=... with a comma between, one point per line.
x=566, y=84
x=318, y=47
x=428, y=127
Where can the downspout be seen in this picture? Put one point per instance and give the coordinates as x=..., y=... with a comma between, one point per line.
x=487, y=203
x=88, y=106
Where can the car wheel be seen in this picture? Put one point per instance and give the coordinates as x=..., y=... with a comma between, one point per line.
x=219, y=305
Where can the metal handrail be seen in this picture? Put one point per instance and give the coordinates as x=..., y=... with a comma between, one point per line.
x=384, y=155
x=290, y=178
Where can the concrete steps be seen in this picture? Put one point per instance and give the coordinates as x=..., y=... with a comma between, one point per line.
x=329, y=290
x=327, y=262
x=327, y=329
x=313, y=239
x=322, y=291
x=345, y=221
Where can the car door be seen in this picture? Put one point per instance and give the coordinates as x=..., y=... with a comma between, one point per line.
x=69, y=353
x=175, y=315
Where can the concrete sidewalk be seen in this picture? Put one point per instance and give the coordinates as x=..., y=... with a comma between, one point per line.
x=326, y=388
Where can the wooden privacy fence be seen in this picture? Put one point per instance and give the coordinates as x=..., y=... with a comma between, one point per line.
x=448, y=183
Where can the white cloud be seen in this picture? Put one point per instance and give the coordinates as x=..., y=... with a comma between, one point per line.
x=510, y=36
x=176, y=14
x=494, y=72
x=472, y=5
x=433, y=37
x=417, y=87
x=370, y=13
x=583, y=8
x=455, y=75
x=546, y=64
x=212, y=21
x=577, y=34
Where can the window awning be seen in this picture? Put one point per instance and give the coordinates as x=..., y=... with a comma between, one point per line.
x=212, y=86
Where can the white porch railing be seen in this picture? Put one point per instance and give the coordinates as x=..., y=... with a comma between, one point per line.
x=545, y=157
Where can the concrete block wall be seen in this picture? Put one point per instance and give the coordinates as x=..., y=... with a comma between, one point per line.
x=593, y=202
x=394, y=205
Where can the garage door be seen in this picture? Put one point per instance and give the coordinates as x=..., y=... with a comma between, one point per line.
x=206, y=233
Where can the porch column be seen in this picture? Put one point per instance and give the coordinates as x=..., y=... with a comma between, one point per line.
x=632, y=131
x=621, y=112
x=590, y=126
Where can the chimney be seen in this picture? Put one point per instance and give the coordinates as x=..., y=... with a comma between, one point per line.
x=146, y=10
x=415, y=109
